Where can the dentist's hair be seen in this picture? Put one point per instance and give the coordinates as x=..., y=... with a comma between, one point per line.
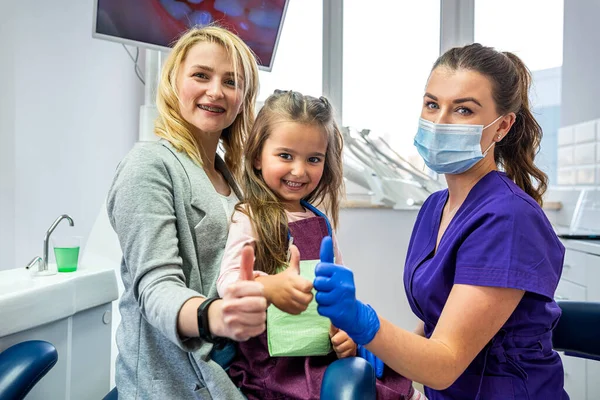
x=510, y=80
x=261, y=204
x=171, y=126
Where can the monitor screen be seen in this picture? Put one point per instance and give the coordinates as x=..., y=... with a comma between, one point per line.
x=158, y=23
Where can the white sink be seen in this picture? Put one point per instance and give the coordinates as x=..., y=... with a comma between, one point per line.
x=28, y=300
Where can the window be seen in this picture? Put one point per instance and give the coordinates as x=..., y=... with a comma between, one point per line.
x=517, y=26
x=389, y=49
x=298, y=63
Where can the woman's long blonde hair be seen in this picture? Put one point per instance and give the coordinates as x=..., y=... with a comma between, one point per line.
x=261, y=204
x=171, y=126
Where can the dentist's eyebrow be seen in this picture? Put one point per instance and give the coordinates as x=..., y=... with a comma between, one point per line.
x=467, y=99
x=457, y=101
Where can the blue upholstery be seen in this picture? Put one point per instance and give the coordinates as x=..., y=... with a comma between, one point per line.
x=23, y=365
x=112, y=395
x=351, y=378
x=578, y=330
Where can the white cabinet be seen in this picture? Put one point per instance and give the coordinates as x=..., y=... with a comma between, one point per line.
x=73, y=312
x=575, y=377
x=82, y=341
x=568, y=290
x=574, y=267
x=579, y=282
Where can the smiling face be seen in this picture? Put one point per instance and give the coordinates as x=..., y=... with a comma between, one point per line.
x=464, y=97
x=210, y=94
x=292, y=161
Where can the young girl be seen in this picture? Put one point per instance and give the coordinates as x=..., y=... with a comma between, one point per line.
x=293, y=162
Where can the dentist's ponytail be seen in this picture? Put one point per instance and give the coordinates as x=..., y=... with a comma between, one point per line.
x=510, y=80
x=518, y=149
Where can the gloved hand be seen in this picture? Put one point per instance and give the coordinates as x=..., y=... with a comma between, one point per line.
x=336, y=298
x=371, y=359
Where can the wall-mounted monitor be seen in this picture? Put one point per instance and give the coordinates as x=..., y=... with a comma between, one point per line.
x=156, y=24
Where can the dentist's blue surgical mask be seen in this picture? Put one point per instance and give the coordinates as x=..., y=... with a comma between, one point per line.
x=450, y=148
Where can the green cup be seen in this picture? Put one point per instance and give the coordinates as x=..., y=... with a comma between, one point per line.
x=66, y=251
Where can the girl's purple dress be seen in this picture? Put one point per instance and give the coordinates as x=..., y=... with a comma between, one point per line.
x=262, y=377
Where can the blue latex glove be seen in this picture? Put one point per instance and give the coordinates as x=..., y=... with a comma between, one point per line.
x=336, y=298
x=371, y=359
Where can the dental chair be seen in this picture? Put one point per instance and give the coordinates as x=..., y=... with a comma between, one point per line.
x=23, y=365
x=351, y=378
x=578, y=330
x=112, y=395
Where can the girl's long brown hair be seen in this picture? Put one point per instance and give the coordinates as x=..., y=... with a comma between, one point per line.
x=261, y=204
x=511, y=81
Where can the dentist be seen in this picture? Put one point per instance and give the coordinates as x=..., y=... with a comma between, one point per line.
x=483, y=261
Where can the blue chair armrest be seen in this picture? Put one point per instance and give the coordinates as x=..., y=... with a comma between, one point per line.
x=112, y=395
x=578, y=329
x=580, y=355
x=351, y=378
x=23, y=365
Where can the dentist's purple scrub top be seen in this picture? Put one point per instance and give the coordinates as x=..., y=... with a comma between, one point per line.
x=499, y=237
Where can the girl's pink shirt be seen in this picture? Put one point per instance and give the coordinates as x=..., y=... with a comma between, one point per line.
x=241, y=234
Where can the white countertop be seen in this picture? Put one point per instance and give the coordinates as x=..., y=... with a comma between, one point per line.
x=28, y=300
x=586, y=246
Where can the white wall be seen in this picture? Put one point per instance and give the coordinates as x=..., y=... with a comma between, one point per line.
x=374, y=243
x=581, y=59
x=69, y=108
x=7, y=138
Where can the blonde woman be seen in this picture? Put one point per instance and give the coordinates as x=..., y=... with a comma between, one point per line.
x=170, y=204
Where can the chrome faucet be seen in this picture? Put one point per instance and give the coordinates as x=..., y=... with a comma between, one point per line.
x=42, y=262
